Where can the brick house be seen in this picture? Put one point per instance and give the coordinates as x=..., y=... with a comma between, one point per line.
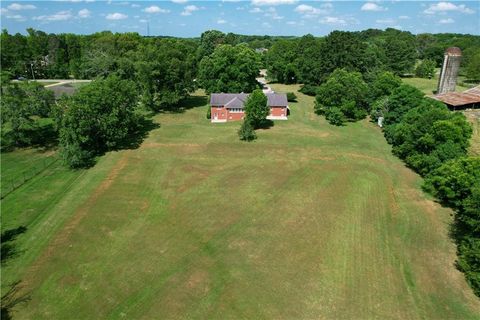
x=229, y=106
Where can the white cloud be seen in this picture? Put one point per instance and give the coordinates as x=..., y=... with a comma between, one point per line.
x=180, y=1
x=134, y=5
x=272, y=13
x=370, y=6
x=59, y=16
x=17, y=17
x=17, y=6
x=155, y=9
x=3, y=11
x=446, y=21
x=292, y=23
x=404, y=17
x=84, y=13
x=310, y=11
x=256, y=10
x=272, y=2
x=385, y=21
x=187, y=10
x=447, y=6
x=143, y=20
x=333, y=20
x=116, y=16
x=221, y=21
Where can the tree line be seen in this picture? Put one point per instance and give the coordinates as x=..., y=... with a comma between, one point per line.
x=352, y=74
x=310, y=60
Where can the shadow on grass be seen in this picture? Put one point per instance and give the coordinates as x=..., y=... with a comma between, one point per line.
x=186, y=104
x=8, y=249
x=135, y=139
x=265, y=124
x=11, y=298
x=43, y=137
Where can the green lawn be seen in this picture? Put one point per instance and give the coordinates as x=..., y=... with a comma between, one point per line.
x=22, y=165
x=474, y=118
x=427, y=86
x=309, y=221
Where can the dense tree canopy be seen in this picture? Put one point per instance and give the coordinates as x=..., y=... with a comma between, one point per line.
x=426, y=69
x=164, y=71
x=229, y=69
x=457, y=184
x=96, y=119
x=256, y=108
x=22, y=104
x=400, y=52
x=402, y=99
x=346, y=91
x=429, y=135
x=280, y=61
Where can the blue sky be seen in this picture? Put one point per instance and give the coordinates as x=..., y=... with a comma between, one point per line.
x=186, y=18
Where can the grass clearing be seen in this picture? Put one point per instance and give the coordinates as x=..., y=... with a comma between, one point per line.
x=428, y=86
x=473, y=117
x=308, y=221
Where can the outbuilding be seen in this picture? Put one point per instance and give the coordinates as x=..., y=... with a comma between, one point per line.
x=468, y=99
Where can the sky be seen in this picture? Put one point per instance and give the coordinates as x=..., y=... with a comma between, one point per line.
x=185, y=18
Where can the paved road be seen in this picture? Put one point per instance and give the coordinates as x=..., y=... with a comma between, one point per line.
x=57, y=82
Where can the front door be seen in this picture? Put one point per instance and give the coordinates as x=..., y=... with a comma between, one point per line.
x=215, y=116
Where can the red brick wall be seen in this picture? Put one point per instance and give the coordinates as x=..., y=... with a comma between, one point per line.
x=220, y=112
x=235, y=116
x=278, y=111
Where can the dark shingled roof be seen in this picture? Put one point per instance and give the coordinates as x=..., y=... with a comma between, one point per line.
x=237, y=100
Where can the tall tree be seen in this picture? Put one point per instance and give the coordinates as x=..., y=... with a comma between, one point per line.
x=97, y=118
x=209, y=40
x=280, y=61
x=400, y=51
x=256, y=108
x=229, y=69
x=343, y=50
x=346, y=91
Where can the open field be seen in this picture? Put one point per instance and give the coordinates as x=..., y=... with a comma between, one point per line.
x=474, y=118
x=427, y=86
x=309, y=221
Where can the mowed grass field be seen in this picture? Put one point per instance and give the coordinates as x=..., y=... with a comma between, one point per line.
x=428, y=86
x=310, y=221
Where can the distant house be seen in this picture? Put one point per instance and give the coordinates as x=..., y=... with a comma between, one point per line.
x=229, y=106
x=261, y=50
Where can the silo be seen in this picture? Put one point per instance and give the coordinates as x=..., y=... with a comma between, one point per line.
x=449, y=73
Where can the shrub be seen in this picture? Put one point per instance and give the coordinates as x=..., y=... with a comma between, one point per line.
x=335, y=116
x=291, y=97
x=426, y=69
x=209, y=112
x=309, y=90
x=246, y=132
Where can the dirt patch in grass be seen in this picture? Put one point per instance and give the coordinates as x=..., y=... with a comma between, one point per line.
x=159, y=145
